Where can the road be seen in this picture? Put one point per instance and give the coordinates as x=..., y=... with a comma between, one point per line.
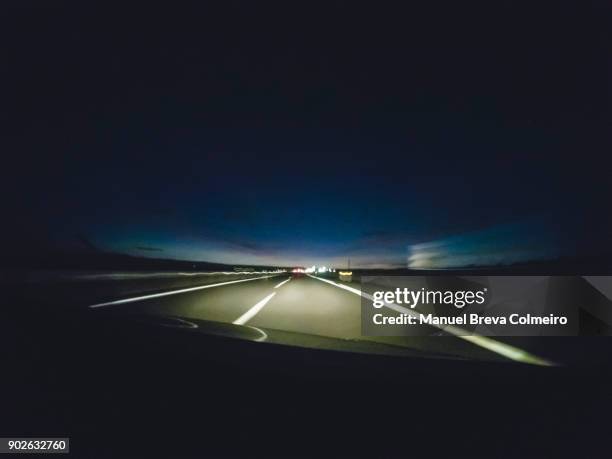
x=299, y=304
x=86, y=373
x=302, y=304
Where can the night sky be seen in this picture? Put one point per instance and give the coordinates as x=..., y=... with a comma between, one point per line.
x=444, y=135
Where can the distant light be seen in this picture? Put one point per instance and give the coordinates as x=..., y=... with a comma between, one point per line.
x=346, y=273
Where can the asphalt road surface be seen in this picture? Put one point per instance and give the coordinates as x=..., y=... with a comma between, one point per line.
x=303, y=304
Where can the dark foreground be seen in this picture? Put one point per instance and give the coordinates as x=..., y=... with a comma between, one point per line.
x=119, y=386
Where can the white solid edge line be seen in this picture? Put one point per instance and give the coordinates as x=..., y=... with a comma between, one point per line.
x=283, y=282
x=244, y=318
x=172, y=292
x=497, y=347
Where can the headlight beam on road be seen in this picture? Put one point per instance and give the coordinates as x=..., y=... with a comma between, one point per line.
x=244, y=318
x=282, y=283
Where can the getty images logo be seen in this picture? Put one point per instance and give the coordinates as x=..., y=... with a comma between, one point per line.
x=411, y=298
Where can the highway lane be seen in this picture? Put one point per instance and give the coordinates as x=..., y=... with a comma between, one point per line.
x=224, y=303
x=309, y=305
x=293, y=303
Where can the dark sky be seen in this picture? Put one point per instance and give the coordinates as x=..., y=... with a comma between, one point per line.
x=447, y=134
